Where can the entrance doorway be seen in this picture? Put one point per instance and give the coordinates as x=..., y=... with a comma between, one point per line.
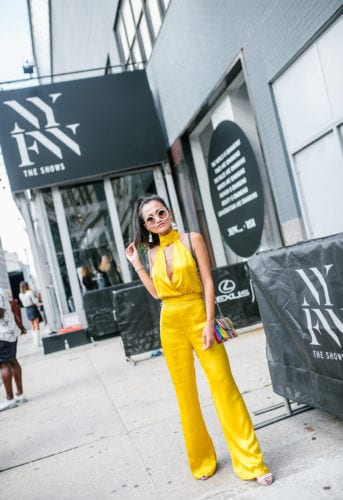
x=233, y=105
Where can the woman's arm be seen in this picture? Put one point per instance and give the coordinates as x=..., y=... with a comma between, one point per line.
x=133, y=257
x=203, y=261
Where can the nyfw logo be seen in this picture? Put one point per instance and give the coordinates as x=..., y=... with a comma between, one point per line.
x=41, y=129
x=317, y=304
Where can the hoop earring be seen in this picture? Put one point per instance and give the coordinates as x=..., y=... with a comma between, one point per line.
x=150, y=237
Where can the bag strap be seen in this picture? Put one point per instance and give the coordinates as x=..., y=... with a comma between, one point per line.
x=218, y=307
x=191, y=248
x=196, y=262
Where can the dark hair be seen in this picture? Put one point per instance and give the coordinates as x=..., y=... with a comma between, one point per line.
x=140, y=233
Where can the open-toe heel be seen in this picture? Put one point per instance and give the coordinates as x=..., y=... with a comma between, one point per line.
x=266, y=479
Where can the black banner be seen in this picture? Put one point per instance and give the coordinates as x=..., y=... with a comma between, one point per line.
x=138, y=319
x=235, y=294
x=236, y=188
x=98, y=305
x=63, y=132
x=300, y=295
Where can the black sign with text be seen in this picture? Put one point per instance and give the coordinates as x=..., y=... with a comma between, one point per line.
x=235, y=294
x=300, y=297
x=236, y=188
x=65, y=132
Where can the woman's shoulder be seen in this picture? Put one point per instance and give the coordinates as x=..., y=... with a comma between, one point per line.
x=193, y=236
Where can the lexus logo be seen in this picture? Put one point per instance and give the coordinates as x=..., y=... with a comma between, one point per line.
x=226, y=286
x=227, y=289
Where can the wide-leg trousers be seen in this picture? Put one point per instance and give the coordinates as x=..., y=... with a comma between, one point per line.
x=182, y=322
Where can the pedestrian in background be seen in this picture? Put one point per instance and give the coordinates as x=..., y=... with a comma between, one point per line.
x=187, y=325
x=9, y=365
x=88, y=279
x=30, y=302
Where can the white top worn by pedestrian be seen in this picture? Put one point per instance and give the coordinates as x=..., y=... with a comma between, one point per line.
x=28, y=299
x=9, y=330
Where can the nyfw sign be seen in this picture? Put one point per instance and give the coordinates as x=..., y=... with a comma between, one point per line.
x=300, y=296
x=323, y=319
x=70, y=131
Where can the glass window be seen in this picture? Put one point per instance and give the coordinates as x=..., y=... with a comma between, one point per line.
x=50, y=210
x=91, y=234
x=138, y=24
x=122, y=39
x=330, y=53
x=166, y=3
x=144, y=31
x=137, y=56
x=128, y=21
x=302, y=101
x=320, y=176
x=155, y=15
x=137, y=9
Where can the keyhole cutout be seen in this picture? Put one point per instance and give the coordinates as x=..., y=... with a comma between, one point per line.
x=168, y=259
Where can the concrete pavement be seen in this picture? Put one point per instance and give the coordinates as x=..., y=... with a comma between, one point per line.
x=96, y=427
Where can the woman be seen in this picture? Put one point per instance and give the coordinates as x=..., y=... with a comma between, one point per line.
x=30, y=303
x=186, y=326
x=10, y=325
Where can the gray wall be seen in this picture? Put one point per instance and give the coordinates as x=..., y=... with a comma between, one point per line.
x=200, y=39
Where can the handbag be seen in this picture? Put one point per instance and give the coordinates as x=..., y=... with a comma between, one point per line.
x=223, y=327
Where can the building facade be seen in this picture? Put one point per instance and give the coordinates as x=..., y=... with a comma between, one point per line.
x=270, y=72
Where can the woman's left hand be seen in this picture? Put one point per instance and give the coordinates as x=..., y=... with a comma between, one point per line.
x=208, y=337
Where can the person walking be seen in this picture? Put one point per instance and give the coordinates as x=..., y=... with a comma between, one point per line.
x=9, y=365
x=187, y=326
x=30, y=303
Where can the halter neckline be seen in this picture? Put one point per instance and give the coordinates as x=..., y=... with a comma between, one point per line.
x=169, y=238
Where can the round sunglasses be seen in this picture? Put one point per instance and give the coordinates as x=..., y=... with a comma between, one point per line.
x=161, y=214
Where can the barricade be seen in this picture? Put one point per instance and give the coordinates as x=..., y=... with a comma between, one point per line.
x=98, y=307
x=137, y=315
x=299, y=290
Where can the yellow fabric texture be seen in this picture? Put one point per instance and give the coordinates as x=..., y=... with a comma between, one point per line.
x=183, y=317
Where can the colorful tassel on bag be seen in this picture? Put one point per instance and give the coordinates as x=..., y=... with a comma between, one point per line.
x=224, y=329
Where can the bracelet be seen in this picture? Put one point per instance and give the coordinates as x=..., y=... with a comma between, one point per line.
x=139, y=268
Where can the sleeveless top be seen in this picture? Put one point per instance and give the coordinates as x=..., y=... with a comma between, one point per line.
x=185, y=279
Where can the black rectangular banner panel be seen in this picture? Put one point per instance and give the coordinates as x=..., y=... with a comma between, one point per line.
x=235, y=294
x=68, y=131
x=138, y=317
x=299, y=290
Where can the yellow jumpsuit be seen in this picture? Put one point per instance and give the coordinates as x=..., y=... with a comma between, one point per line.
x=183, y=317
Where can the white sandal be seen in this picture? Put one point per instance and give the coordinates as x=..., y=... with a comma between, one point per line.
x=266, y=479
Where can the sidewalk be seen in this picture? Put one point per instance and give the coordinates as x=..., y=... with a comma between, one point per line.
x=96, y=427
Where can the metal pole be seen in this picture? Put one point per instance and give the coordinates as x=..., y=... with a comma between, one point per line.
x=118, y=237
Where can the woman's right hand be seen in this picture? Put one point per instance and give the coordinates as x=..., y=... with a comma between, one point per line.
x=132, y=255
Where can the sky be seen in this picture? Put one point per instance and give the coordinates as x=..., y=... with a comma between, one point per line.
x=15, y=49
